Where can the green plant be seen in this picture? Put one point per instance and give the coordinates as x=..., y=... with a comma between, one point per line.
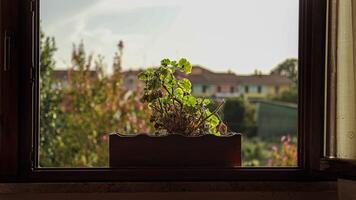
x=50, y=114
x=286, y=154
x=77, y=115
x=288, y=68
x=239, y=116
x=289, y=96
x=255, y=151
x=174, y=109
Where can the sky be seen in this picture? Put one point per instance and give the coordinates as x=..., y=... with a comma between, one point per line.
x=221, y=35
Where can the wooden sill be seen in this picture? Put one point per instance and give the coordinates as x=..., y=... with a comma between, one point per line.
x=131, y=187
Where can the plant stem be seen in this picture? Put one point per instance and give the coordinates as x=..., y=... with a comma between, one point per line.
x=211, y=114
x=160, y=104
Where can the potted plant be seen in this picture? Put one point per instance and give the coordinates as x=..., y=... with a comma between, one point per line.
x=187, y=133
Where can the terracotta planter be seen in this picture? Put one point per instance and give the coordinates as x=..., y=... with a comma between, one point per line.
x=174, y=151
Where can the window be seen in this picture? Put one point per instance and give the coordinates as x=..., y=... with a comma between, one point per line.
x=232, y=89
x=276, y=89
x=85, y=109
x=205, y=88
x=28, y=119
x=246, y=89
x=90, y=108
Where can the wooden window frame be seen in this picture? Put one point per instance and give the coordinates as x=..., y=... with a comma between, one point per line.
x=18, y=141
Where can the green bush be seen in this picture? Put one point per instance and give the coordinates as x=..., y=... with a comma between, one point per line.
x=239, y=116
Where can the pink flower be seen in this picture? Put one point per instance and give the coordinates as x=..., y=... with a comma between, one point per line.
x=274, y=148
x=139, y=105
x=105, y=138
x=285, y=139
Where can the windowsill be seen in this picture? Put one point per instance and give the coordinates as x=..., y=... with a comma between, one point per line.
x=130, y=187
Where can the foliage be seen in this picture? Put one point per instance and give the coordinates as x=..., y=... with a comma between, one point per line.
x=89, y=105
x=288, y=68
x=239, y=116
x=174, y=109
x=286, y=154
x=258, y=152
x=77, y=115
x=255, y=152
x=50, y=122
x=289, y=96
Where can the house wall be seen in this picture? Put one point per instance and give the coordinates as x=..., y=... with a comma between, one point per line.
x=266, y=90
x=253, y=91
x=225, y=88
x=198, y=90
x=271, y=90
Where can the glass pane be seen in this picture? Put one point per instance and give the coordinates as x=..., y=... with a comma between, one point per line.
x=244, y=54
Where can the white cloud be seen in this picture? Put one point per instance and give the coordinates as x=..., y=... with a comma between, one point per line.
x=226, y=34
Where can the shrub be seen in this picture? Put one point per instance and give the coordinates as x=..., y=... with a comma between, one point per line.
x=239, y=116
x=286, y=154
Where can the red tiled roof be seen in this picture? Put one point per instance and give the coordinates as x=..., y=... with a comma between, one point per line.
x=132, y=72
x=273, y=79
x=201, y=75
x=62, y=75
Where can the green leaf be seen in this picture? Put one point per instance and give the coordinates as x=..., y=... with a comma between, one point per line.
x=146, y=75
x=178, y=93
x=164, y=72
x=142, y=76
x=206, y=102
x=170, y=82
x=165, y=100
x=214, y=132
x=213, y=120
x=165, y=62
x=154, y=84
x=191, y=101
x=174, y=63
x=184, y=66
x=207, y=112
x=185, y=85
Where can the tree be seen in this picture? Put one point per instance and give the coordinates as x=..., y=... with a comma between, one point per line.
x=285, y=154
x=95, y=105
x=288, y=68
x=50, y=98
x=239, y=116
x=289, y=96
x=76, y=118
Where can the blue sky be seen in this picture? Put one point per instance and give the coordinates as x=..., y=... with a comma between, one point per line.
x=237, y=35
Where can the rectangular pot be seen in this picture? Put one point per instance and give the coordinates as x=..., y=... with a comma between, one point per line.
x=174, y=151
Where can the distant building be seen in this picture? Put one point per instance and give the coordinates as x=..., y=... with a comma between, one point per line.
x=224, y=85
x=255, y=87
x=61, y=77
x=208, y=83
x=130, y=79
